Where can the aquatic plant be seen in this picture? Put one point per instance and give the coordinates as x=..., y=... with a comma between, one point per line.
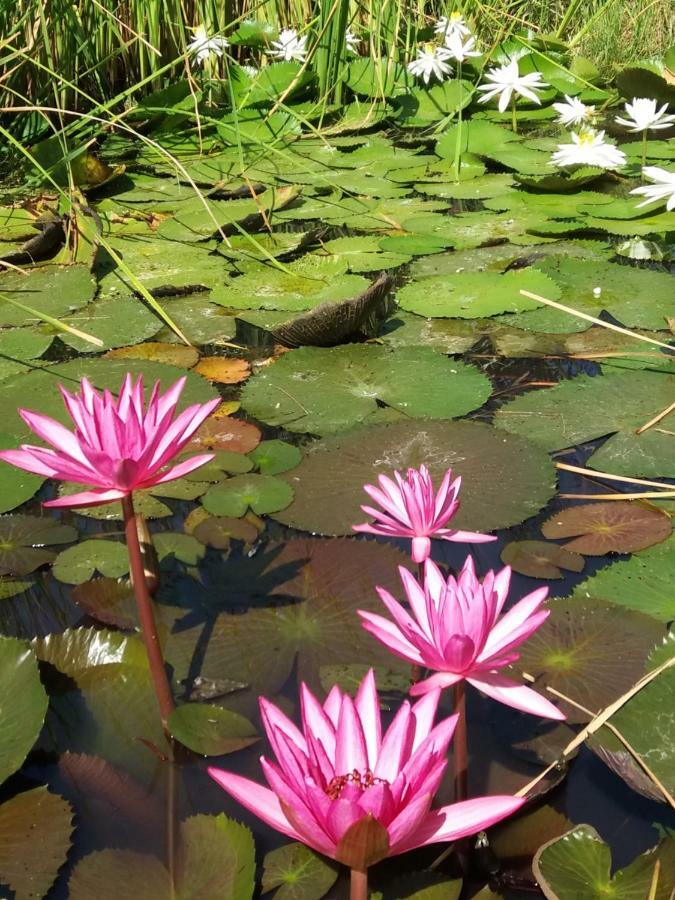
x=411, y=508
x=357, y=795
x=506, y=83
x=573, y=111
x=662, y=187
x=430, y=61
x=589, y=148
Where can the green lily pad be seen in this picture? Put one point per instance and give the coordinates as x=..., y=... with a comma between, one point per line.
x=117, y=321
x=475, y=188
x=364, y=254
x=376, y=78
x=298, y=872
x=447, y=335
x=10, y=587
x=600, y=528
x=540, y=560
x=20, y=345
x=53, y=290
x=23, y=540
x=211, y=730
x=474, y=229
x=592, y=653
x=503, y=482
x=16, y=486
x=322, y=390
x=578, y=866
x=273, y=457
x=79, y=563
x=147, y=502
x=217, y=860
x=414, y=244
x=224, y=461
x=472, y=295
x=478, y=136
x=35, y=832
x=643, y=583
x=301, y=600
x=425, y=105
x=584, y=408
x=39, y=390
x=262, y=493
x=20, y=722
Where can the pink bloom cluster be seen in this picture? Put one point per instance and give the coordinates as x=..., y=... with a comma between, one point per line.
x=340, y=775
x=410, y=508
x=118, y=446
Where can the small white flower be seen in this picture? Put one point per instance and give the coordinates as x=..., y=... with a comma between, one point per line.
x=460, y=49
x=452, y=24
x=430, y=61
x=289, y=46
x=202, y=46
x=251, y=71
x=573, y=111
x=589, y=148
x=597, y=291
x=352, y=42
x=505, y=81
x=643, y=114
x=663, y=187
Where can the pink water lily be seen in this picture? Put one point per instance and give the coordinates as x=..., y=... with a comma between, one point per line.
x=456, y=630
x=343, y=788
x=411, y=508
x=118, y=446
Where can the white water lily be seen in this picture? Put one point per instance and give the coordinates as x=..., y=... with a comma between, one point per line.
x=643, y=115
x=452, y=24
x=505, y=81
x=460, y=49
x=352, y=42
x=289, y=46
x=202, y=46
x=663, y=187
x=430, y=61
x=589, y=148
x=573, y=111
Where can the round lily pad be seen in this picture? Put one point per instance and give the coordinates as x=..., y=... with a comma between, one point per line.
x=221, y=432
x=18, y=345
x=273, y=457
x=224, y=461
x=53, y=290
x=584, y=408
x=116, y=321
x=323, y=390
x=262, y=493
x=211, y=730
x=38, y=390
x=591, y=652
x=540, y=560
x=643, y=583
x=618, y=527
x=23, y=542
x=472, y=295
x=503, y=482
x=78, y=564
x=298, y=872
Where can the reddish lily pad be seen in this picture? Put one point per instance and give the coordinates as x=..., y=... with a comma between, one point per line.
x=619, y=527
x=225, y=433
x=540, y=560
x=223, y=370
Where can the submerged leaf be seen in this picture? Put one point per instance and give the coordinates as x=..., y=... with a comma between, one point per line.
x=540, y=560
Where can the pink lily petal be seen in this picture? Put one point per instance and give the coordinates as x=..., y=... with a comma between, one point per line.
x=509, y=692
x=459, y=820
x=259, y=800
x=513, y=623
x=439, y=680
x=350, y=742
x=469, y=537
x=87, y=498
x=368, y=708
x=179, y=470
x=386, y=632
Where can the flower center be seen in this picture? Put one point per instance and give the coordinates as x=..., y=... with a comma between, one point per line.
x=586, y=137
x=362, y=780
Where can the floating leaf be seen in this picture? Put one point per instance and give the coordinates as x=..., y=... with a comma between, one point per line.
x=473, y=295
x=224, y=433
x=35, y=831
x=79, y=563
x=23, y=539
x=608, y=527
x=109, y=600
x=540, y=560
x=211, y=730
x=301, y=600
x=298, y=872
x=521, y=837
x=20, y=722
x=224, y=461
x=218, y=531
x=53, y=290
x=10, y=587
x=643, y=583
x=273, y=457
x=503, y=482
x=262, y=493
x=20, y=345
x=106, y=874
x=116, y=321
x=590, y=652
x=223, y=370
x=578, y=865
x=201, y=321
x=583, y=408
x=326, y=390
x=172, y=354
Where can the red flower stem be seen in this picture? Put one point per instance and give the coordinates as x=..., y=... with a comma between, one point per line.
x=416, y=671
x=459, y=744
x=358, y=886
x=146, y=615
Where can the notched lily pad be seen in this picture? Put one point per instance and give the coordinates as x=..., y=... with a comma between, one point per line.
x=540, y=560
x=24, y=541
x=273, y=457
x=612, y=527
x=262, y=493
x=211, y=730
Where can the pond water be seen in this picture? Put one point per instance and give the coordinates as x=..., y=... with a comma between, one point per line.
x=260, y=576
